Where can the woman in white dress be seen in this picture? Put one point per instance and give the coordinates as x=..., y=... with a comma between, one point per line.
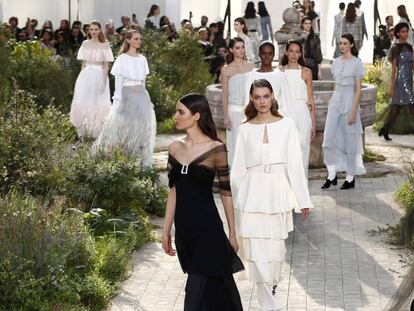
x=131, y=124
x=296, y=97
x=91, y=99
x=268, y=183
x=253, y=25
x=234, y=83
x=266, y=71
x=242, y=32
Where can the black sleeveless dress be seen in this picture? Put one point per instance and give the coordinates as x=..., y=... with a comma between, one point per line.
x=203, y=248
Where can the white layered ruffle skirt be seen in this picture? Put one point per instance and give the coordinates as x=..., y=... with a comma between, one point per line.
x=263, y=221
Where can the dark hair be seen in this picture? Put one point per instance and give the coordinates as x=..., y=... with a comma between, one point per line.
x=250, y=111
x=342, y=6
x=198, y=103
x=285, y=60
x=14, y=18
x=350, y=38
x=398, y=28
x=77, y=24
x=266, y=43
x=47, y=30
x=357, y=3
x=232, y=43
x=250, y=11
x=220, y=26
x=152, y=10
x=242, y=22
x=350, y=14
x=162, y=22
x=388, y=17
x=262, y=9
x=306, y=18
x=402, y=12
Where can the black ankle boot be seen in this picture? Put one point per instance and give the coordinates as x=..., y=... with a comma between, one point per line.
x=348, y=185
x=329, y=182
x=384, y=132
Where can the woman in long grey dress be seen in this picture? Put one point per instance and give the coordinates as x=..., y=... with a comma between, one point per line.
x=342, y=142
x=131, y=123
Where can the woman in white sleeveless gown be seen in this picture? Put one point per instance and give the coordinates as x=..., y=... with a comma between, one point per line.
x=91, y=99
x=131, y=124
x=269, y=184
x=296, y=97
x=235, y=83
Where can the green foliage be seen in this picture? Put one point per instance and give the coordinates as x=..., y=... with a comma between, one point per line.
x=29, y=143
x=177, y=68
x=167, y=126
x=113, y=183
x=36, y=71
x=380, y=75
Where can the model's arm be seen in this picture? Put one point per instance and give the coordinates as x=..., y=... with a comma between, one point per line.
x=225, y=97
x=393, y=74
x=311, y=102
x=168, y=222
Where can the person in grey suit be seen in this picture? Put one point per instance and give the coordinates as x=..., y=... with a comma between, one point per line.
x=337, y=29
x=357, y=4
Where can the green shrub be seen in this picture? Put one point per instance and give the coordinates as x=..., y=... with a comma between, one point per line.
x=380, y=75
x=112, y=183
x=31, y=144
x=44, y=76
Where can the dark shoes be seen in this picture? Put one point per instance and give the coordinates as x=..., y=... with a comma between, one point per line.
x=329, y=182
x=384, y=132
x=348, y=185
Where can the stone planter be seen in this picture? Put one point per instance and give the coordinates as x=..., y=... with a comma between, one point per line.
x=323, y=91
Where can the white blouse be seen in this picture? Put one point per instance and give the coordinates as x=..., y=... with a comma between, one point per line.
x=95, y=52
x=283, y=148
x=129, y=70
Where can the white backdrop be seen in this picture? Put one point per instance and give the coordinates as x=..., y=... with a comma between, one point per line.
x=176, y=10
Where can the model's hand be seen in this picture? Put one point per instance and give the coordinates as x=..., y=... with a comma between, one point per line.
x=313, y=133
x=227, y=123
x=319, y=75
x=233, y=243
x=166, y=244
x=305, y=213
x=352, y=118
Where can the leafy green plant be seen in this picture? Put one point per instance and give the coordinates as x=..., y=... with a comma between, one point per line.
x=31, y=144
x=380, y=75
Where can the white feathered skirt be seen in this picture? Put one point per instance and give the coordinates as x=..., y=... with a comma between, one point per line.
x=91, y=101
x=131, y=125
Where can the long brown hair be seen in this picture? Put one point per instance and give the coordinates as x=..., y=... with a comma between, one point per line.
x=125, y=45
x=350, y=14
x=101, y=36
x=285, y=60
x=198, y=103
x=250, y=111
x=242, y=22
x=402, y=12
x=232, y=43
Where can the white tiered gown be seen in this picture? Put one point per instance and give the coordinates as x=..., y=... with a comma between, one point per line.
x=91, y=99
x=268, y=183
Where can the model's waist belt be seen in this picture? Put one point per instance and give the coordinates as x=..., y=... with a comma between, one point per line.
x=252, y=30
x=277, y=168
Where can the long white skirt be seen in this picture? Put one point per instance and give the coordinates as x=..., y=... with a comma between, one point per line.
x=236, y=116
x=91, y=101
x=130, y=126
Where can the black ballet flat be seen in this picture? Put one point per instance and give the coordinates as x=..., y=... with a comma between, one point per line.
x=348, y=185
x=329, y=182
x=384, y=132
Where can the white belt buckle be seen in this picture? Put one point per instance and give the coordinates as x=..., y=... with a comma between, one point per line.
x=267, y=168
x=184, y=169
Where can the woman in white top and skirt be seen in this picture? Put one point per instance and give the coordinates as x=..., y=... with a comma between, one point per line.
x=91, y=99
x=131, y=124
x=235, y=85
x=296, y=97
x=268, y=183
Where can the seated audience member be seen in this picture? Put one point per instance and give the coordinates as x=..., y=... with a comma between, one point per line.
x=46, y=40
x=13, y=26
x=125, y=24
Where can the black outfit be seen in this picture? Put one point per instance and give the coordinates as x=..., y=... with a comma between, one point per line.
x=202, y=246
x=76, y=42
x=381, y=46
x=313, y=53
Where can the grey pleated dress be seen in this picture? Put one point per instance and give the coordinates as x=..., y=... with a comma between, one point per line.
x=342, y=143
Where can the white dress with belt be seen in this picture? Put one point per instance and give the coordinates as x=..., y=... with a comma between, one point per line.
x=268, y=183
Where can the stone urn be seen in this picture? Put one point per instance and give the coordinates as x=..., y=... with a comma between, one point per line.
x=322, y=91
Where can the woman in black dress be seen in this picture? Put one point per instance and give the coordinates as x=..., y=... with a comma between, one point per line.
x=204, y=251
